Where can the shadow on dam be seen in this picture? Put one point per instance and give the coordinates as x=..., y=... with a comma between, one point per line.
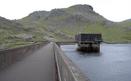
x=113, y=63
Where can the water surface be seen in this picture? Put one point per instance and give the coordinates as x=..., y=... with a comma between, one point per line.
x=113, y=63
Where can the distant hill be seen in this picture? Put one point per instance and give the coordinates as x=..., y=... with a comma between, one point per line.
x=62, y=25
x=73, y=16
x=8, y=30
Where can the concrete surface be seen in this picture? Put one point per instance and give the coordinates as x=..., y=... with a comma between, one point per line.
x=39, y=66
x=67, y=70
x=11, y=56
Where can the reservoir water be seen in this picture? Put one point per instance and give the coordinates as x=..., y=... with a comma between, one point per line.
x=113, y=63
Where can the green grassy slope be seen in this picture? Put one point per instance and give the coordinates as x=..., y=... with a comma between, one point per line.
x=7, y=31
x=76, y=19
x=61, y=25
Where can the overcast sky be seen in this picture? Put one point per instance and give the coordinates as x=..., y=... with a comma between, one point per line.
x=115, y=10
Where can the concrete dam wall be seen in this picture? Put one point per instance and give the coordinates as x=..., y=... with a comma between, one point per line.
x=67, y=70
x=10, y=56
x=44, y=62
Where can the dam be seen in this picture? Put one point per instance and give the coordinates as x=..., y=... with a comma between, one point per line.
x=38, y=62
x=49, y=62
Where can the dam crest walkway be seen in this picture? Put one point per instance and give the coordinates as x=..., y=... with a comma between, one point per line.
x=44, y=62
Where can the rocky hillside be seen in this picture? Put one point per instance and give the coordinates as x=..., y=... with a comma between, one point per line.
x=74, y=16
x=78, y=18
x=8, y=31
x=61, y=25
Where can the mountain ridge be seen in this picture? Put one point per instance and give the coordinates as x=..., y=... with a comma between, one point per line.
x=61, y=25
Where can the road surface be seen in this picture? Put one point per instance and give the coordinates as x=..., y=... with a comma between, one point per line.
x=39, y=66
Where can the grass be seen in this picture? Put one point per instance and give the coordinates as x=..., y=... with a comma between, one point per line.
x=113, y=34
x=110, y=34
